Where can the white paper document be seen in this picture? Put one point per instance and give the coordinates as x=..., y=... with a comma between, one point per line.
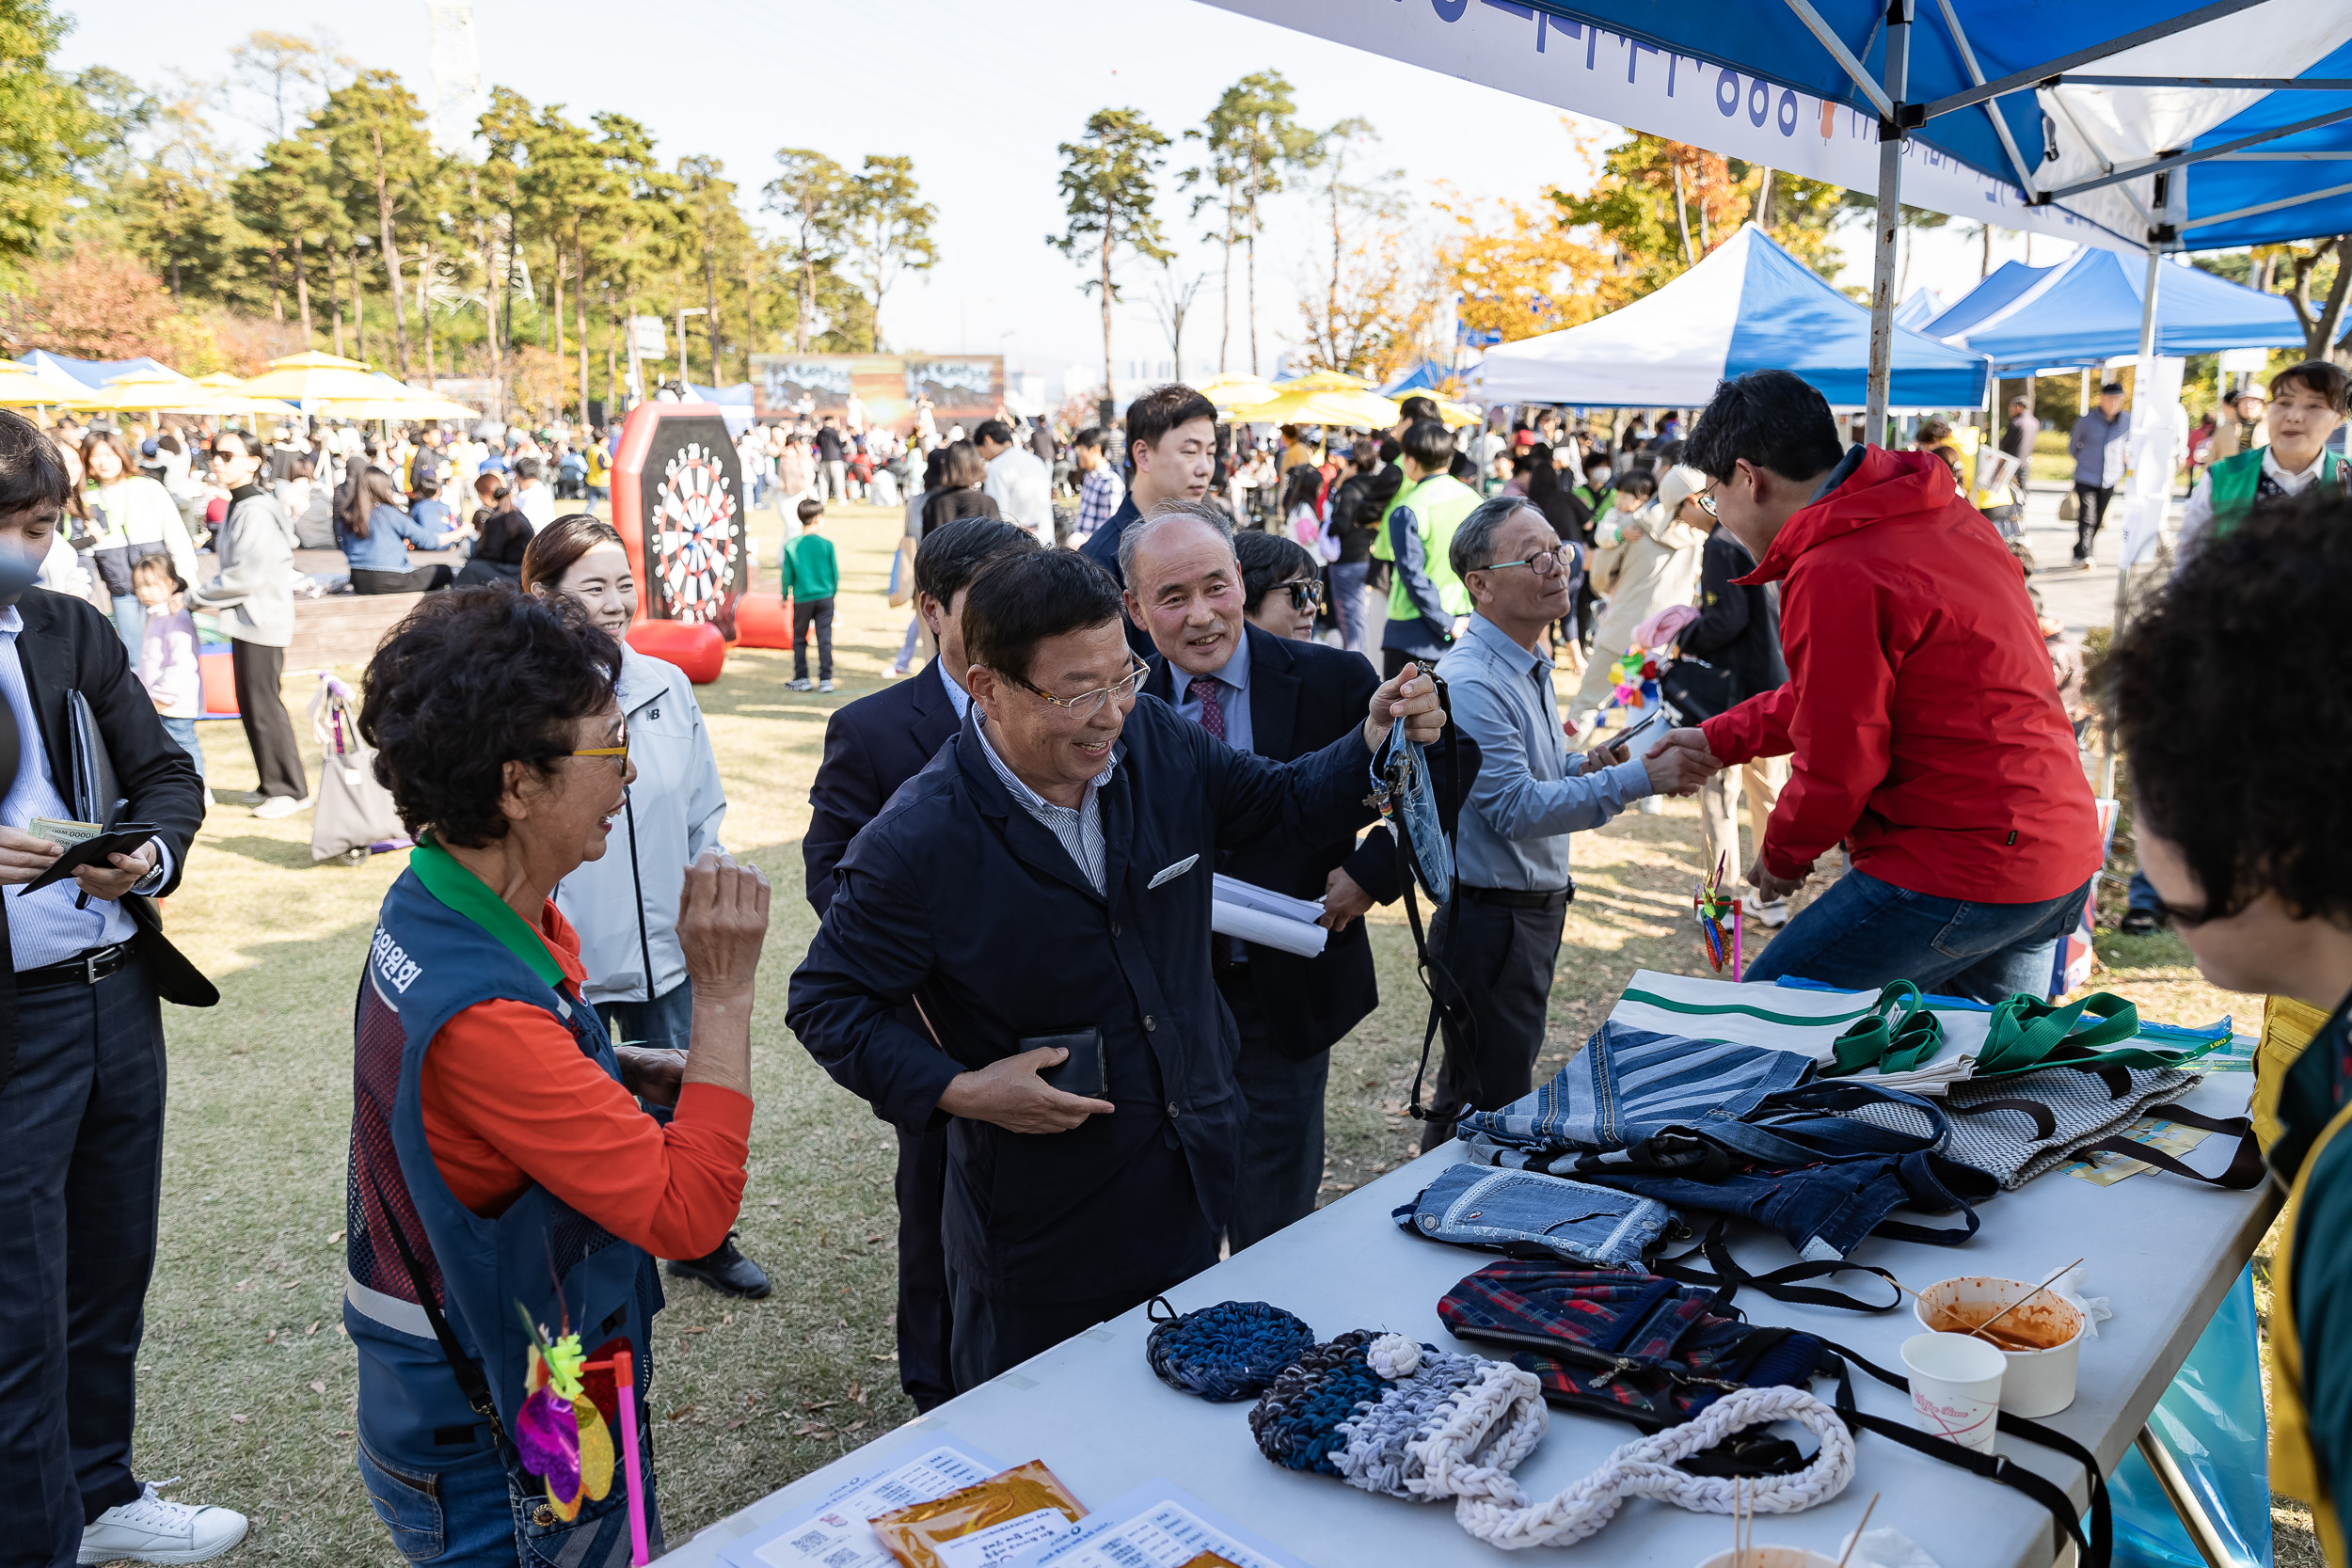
x=835, y=1534
x=1252, y=913
x=1157, y=1525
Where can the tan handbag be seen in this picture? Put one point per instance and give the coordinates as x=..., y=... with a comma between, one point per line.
x=2070, y=507
x=902, y=573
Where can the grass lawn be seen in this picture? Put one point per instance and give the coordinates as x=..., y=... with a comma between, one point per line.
x=249, y=1385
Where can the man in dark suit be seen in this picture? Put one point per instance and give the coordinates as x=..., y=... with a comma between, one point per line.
x=1281, y=699
x=81, y=1064
x=1042, y=888
x=1171, y=455
x=872, y=746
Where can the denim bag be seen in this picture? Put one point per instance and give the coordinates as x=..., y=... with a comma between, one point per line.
x=1525, y=1213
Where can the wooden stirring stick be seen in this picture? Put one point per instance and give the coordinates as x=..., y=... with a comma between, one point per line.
x=2026, y=1297
x=1856, y=1538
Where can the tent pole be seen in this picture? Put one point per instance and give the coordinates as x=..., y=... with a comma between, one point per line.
x=2148, y=306
x=1889, y=218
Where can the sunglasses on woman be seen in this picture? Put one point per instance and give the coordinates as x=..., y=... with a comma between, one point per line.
x=1305, y=593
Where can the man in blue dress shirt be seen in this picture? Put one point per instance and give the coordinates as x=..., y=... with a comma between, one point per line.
x=1499, y=935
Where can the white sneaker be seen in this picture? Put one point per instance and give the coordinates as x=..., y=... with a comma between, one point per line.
x=154, y=1531
x=1773, y=915
x=804, y=684
x=280, y=806
x=824, y=686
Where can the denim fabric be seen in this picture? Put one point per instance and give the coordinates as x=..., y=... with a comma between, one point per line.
x=183, y=732
x=1826, y=1211
x=1471, y=1204
x=1627, y=1084
x=1864, y=932
x=467, y=1514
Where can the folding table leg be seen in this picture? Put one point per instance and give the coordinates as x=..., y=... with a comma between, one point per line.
x=2176, y=1491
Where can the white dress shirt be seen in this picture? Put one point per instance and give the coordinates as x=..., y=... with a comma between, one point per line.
x=1022, y=491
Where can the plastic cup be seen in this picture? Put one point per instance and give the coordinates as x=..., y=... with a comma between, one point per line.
x=1770, y=1556
x=1955, y=1386
x=2038, y=1382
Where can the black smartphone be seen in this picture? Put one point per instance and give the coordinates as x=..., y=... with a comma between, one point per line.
x=1636, y=731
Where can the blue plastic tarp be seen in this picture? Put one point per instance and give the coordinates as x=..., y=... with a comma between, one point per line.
x=90, y=372
x=2087, y=309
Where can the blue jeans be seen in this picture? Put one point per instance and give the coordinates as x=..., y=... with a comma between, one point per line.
x=2143, y=895
x=465, y=1515
x=184, y=731
x=1350, y=608
x=130, y=618
x=1864, y=932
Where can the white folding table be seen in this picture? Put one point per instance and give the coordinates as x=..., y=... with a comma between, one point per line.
x=2163, y=1249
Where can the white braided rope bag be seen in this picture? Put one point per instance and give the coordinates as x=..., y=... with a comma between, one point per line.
x=1471, y=1455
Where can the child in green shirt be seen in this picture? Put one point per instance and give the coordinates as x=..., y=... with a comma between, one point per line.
x=812, y=576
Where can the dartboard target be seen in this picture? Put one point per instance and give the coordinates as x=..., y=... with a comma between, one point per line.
x=681, y=513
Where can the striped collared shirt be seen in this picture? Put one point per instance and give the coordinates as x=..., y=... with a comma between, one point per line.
x=1079, y=828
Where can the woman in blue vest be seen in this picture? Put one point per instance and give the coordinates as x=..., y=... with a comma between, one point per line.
x=501, y=1166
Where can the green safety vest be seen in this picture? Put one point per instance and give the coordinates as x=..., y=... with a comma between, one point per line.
x=2233, y=480
x=1439, y=504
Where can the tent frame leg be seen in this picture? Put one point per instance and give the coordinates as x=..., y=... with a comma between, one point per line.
x=2175, y=1486
x=1890, y=219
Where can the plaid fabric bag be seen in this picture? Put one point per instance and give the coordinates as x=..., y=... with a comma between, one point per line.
x=1637, y=1347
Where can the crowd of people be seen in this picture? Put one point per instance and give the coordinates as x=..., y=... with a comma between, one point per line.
x=1138, y=658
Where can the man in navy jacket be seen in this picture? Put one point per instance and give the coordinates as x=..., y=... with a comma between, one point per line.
x=872, y=746
x=1048, y=875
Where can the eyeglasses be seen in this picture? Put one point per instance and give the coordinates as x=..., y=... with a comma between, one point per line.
x=618, y=754
x=1546, y=564
x=1085, y=704
x=1706, y=503
x=1305, y=593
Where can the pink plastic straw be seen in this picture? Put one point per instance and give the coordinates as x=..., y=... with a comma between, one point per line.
x=625, y=1386
x=1736, y=967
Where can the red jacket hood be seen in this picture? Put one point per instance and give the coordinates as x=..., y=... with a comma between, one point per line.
x=1884, y=485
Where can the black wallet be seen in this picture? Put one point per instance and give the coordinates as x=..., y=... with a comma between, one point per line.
x=123, y=840
x=1082, y=1071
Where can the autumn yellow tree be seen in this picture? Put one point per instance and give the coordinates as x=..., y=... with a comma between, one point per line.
x=1371, y=310
x=1518, y=271
x=1659, y=207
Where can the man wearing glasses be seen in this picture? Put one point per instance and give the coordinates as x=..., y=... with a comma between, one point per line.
x=1499, y=935
x=1041, y=891
x=1280, y=699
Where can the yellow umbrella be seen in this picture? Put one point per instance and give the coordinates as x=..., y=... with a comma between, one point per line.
x=1456, y=415
x=422, y=407
x=1335, y=406
x=316, y=381
x=22, y=387
x=1234, y=392
x=221, y=380
x=1324, y=381
x=152, y=391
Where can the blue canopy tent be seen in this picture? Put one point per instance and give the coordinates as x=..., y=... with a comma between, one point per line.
x=2141, y=126
x=90, y=372
x=1920, y=308
x=734, y=404
x=1748, y=304
x=1427, y=376
x=2090, y=309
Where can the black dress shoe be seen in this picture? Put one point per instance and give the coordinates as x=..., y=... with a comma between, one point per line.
x=2139, y=923
x=725, y=1271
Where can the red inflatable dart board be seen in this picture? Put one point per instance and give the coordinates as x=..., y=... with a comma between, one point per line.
x=678, y=501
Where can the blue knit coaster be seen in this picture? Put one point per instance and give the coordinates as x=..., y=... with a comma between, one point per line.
x=1228, y=1352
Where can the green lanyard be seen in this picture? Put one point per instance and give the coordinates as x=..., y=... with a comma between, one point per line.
x=459, y=888
x=1897, y=1035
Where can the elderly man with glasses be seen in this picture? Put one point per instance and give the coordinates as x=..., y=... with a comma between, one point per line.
x=1280, y=698
x=1499, y=937
x=1042, y=892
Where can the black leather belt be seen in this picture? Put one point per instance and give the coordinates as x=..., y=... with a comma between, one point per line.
x=83, y=969
x=1516, y=899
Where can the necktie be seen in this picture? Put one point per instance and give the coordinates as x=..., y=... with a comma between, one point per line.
x=1213, y=720
x=1212, y=711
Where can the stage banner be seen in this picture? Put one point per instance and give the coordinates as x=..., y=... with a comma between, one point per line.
x=677, y=502
x=1585, y=68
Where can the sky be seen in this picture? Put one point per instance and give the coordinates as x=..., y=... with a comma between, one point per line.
x=980, y=97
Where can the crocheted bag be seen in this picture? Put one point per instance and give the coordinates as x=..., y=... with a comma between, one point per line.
x=1389, y=1416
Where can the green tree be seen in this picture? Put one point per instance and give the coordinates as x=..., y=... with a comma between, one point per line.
x=287, y=198
x=375, y=129
x=45, y=127
x=642, y=224
x=810, y=193
x=289, y=76
x=1254, y=135
x=572, y=186
x=1108, y=190
x=889, y=228
x=713, y=229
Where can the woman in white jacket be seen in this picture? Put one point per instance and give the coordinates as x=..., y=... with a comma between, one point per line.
x=625, y=905
x=1658, y=568
x=141, y=519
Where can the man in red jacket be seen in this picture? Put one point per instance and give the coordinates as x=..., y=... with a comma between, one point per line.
x=1920, y=709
